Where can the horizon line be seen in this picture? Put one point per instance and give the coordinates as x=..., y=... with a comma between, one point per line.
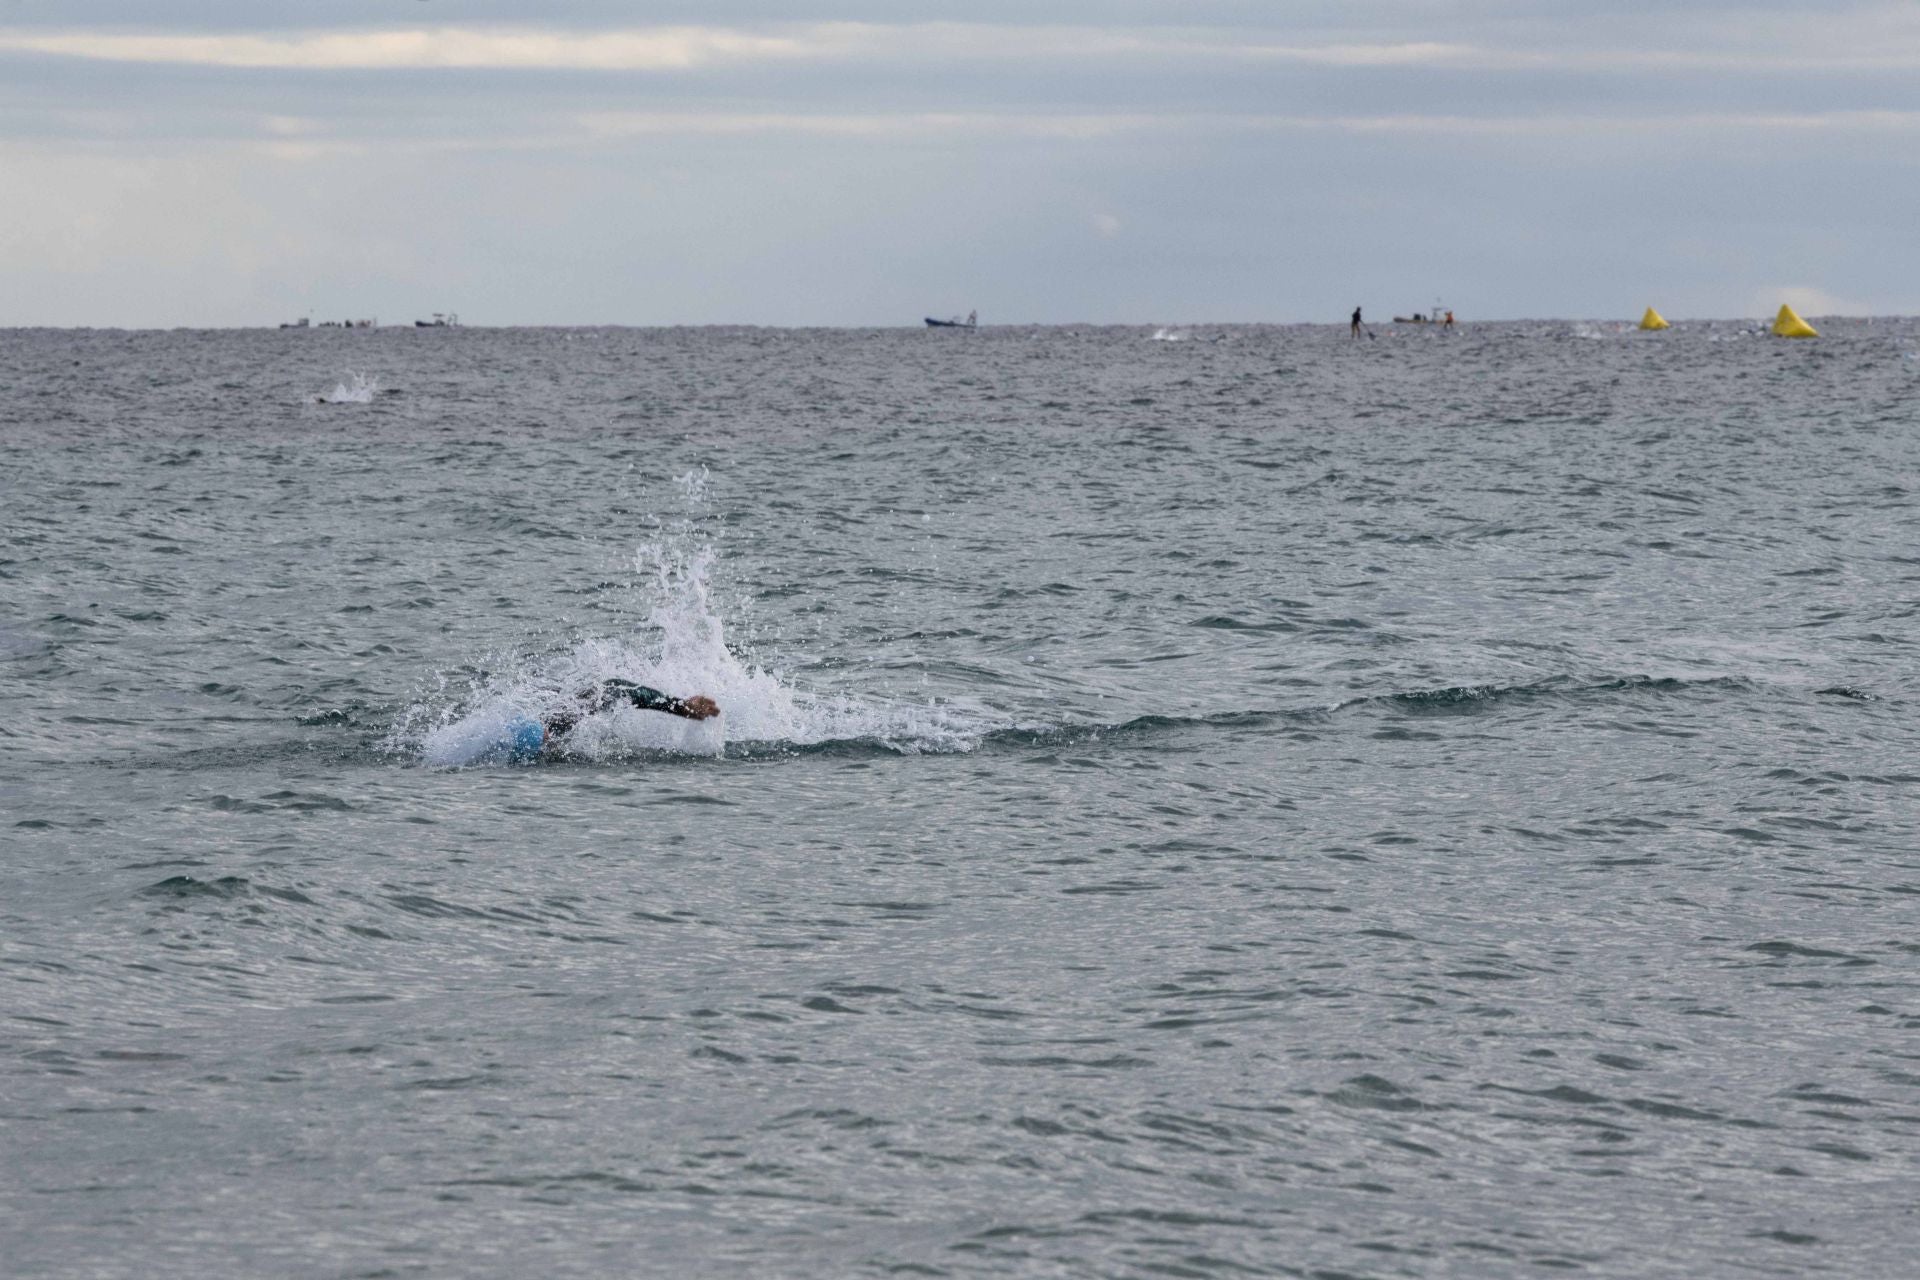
x=921, y=324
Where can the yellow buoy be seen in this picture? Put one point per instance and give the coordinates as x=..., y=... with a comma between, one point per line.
x=1789, y=325
x=1654, y=320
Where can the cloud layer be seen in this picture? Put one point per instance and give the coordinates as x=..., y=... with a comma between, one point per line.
x=1878, y=40
x=1245, y=161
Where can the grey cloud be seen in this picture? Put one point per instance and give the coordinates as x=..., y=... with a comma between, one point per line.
x=1166, y=184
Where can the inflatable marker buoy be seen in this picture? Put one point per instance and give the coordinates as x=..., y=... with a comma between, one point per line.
x=1654, y=320
x=1789, y=325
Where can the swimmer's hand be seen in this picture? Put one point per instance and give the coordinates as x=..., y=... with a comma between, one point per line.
x=699, y=707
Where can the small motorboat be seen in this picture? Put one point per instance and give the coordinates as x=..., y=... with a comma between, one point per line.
x=971, y=322
x=441, y=320
x=1437, y=316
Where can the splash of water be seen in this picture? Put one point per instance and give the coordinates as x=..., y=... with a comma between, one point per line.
x=357, y=389
x=1169, y=335
x=680, y=649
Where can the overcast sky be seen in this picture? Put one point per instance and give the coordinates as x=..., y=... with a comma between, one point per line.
x=240, y=162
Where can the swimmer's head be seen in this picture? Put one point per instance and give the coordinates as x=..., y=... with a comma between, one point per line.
x=524, y=738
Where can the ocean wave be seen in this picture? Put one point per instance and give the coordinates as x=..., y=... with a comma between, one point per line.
x=1473, y=699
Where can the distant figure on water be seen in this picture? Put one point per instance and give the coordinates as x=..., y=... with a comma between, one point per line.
x=1356, y=322
x=612, y=693
x=1448, y=324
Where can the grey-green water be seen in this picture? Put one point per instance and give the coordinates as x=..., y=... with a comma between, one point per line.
x=1256, y=804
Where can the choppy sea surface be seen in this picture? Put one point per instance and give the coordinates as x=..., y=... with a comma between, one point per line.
x=1187, y=802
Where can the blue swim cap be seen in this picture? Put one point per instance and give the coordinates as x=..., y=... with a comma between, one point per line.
x=522, y=738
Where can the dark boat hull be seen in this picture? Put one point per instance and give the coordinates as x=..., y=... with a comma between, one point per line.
x=947, y=324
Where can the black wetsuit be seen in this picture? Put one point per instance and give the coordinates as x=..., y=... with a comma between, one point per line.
x=611, y=694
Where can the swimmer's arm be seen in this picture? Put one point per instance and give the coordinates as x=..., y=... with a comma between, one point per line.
x=694, y=708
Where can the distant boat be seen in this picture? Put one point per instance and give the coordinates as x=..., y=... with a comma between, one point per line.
x=305, y=322
x=441, y=320
x=1435, y=316
x=971, y=322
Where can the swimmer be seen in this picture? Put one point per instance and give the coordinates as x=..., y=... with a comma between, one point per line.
x=611, y=693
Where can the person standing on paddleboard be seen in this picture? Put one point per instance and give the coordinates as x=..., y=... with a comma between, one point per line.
x=1356, y=322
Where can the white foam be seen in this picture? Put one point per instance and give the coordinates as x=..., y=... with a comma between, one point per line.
x=478, y=738
x=358, y=389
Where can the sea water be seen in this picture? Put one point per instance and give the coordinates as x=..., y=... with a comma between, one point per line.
x=1271, y=803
